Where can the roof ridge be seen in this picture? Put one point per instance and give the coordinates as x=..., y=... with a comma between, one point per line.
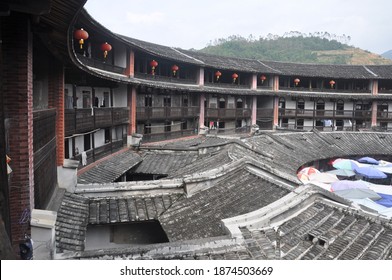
x=370, y=71
x=188, y=56
x=262, y=63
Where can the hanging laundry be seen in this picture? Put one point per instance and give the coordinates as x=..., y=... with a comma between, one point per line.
x=84, y=158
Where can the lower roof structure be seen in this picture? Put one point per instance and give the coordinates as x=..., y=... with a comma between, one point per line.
x=232, y=199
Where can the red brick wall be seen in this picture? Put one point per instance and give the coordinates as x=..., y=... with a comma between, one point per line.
x=56, y=100
x=18, y=108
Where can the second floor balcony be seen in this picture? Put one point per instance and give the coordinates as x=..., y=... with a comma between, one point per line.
x=225, y=113
x=163, y=113
x=317, y=113
x=81, y=120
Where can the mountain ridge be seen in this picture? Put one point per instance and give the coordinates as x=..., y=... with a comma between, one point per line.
x=296, y=47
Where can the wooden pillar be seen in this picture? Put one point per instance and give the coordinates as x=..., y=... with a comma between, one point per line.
x=374, y=87
x=275, y=86
x=201, y=77
x=254, y=82
x=276, y=112
x=130, y=69
x=202, y=110
x=374, y=113
x=254, y=110
x=132, y=109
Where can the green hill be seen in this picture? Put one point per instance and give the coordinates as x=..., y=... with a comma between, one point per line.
x=317, y=48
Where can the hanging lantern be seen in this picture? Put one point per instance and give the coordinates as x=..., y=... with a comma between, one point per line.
x=105, y=47
x=263, y=78
x=153, y=65
x=234, y=76
x=174, y=69
x=296, y=81
x=217, y=75
x=81, y=35
x=332, y=83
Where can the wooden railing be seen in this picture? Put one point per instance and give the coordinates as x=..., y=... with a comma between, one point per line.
x=353, y=91
x=82, y=120
x=153, y=137
x=154, y=113
x=228, y=113
x=310, y=113
x=164, y=78
x=103, y=65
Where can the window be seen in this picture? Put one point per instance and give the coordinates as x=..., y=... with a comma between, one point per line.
x=167, y=101
x=167, y=126
x=239, y=103
x=107, y=135
x=185, y=101
x=301, y=104
x=147, y=128
x=184, y=125
x=300, y=124
x=340, y=107
x=222, y=103
x=282, y=103
x=148, y=101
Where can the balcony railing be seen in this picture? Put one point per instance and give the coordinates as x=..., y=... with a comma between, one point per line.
x=310, y=113
x=155, y=113
x=153, y=137
x=265, y=113
x=80, y=120
x=159, y=78
x=226, y=85
x=384, y=115
x=100, y=64
x=228, y=113
x=360, y=91
x=323, y=128
x=44, y=123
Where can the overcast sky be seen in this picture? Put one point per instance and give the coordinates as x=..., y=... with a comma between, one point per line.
x=193, y=24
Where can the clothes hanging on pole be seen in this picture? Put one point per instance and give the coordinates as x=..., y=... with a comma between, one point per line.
x=84, y=158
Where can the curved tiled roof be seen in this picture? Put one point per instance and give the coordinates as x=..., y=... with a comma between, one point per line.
x=250, y=65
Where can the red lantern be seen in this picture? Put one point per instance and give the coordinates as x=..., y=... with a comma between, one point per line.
x=332, y=83
x=81, y=35
x=234, y=76
x=263, y=78
x=296, y=81
x=174, y=69
x=217, y=75
x=153, y=65
x=105, y=47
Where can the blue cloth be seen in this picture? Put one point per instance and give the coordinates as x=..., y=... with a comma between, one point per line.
x=386, y=200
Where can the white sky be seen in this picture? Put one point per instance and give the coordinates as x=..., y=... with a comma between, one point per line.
x=193, y=24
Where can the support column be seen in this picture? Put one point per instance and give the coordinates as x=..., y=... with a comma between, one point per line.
x=132, y=109
x=130, y=69
x=254, y=110
x=374, y=113
x=201, y=77
x=275, y=86
x=374, y=88
x=202, y=111
x=276, y=112
x=56, y=100
x=254, y=82
x=18, y=106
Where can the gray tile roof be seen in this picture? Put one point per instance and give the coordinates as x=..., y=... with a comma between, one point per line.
x=324, y=232
x=200, y=215
x=110, y=169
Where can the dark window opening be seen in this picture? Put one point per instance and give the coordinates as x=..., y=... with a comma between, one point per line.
x=340, y=107
x=282, y=103
x=185, y=102
x=300, y=124
x=107, y=135
x=121, y=235
x=167, y=101
x=184, y=125
x=239, y=103
x=66, y=146
x=87, y=142
x=130, y=176
x=301, y=104
x=148, y=101
x=222, y=103
x=167, y=126
x=221, y=125
x=147, y=128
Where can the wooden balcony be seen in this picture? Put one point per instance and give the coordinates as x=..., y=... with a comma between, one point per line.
x=163, y=113
x=218, y=113
x=166, y=79
x=168, y=135
x=100, y=64
x=265, y=113
x=325, y=114
x=326, y=90
x=83, y=120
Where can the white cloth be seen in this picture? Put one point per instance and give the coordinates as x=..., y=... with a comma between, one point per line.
x=84, y=158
